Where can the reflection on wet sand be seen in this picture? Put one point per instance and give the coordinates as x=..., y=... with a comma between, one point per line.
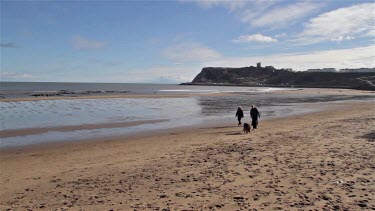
x=34, y=131
x=59, y=120
x=271, y=104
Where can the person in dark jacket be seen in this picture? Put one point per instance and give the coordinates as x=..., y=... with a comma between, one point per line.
x=255, y=115
x=239, y=115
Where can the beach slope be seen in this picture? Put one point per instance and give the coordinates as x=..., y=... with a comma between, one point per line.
x=323, y=160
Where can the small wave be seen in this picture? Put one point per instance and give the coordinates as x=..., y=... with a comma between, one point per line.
x=270, y=89
x=45, y=91
x=238, y=91
x=189, y=90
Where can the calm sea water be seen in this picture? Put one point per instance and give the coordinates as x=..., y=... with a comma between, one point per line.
x=179, y=112
x=27, y=89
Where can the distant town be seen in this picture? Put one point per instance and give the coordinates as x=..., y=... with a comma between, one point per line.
x=346, y=70
x=332, y=70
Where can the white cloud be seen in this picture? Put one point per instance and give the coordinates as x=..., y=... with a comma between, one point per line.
x=371, y=33
x=259, y=38
x=190, y=52
x=263, y=13
x=341, y=38
x=281, y=35
x=340, y=24
x=229, y=4
x=81, y=43
x=343, y=58
x=232, y=5
x=279, y=16
x=15, y=76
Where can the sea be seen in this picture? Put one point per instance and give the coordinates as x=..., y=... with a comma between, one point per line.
x=45, y=121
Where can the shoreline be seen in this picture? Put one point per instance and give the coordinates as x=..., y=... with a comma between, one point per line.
x=109, y=96
x=325, y=91
x=313, y=108
x=332, y=107
x=281, y=86
x=148, y=134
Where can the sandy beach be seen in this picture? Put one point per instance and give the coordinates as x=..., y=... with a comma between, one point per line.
x=141, y=105
x=317, y=161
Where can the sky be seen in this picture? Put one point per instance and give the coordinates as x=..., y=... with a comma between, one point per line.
x=171, y=41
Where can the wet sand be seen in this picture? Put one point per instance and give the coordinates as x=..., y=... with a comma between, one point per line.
x=325, y=91
x=322, y=161
x=32, y=131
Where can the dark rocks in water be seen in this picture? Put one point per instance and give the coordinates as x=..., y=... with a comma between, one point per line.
x=270, y=76
x=43, y=95
x=92, y=92
x=116, y=91
x=66, y=92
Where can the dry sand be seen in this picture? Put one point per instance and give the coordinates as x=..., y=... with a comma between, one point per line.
x=319, y=161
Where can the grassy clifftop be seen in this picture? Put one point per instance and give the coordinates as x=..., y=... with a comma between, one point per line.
x=269, y=76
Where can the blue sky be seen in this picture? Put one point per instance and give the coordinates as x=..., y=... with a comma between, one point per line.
x=170, y=41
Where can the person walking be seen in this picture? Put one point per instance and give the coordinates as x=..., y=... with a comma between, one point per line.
x=239, y=115
x=255, y=115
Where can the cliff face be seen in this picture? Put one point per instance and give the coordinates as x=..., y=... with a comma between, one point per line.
x=269, y=76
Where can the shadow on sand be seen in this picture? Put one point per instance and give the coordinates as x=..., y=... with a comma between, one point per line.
x=369, y=136
x=233, y=133
x=236, y=132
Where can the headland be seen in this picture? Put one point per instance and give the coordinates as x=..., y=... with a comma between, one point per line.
x=271, y=77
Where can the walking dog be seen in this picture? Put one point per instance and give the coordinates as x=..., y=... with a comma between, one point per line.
x=246, y=128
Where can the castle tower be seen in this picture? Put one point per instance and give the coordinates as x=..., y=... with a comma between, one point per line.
x=259, y=65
